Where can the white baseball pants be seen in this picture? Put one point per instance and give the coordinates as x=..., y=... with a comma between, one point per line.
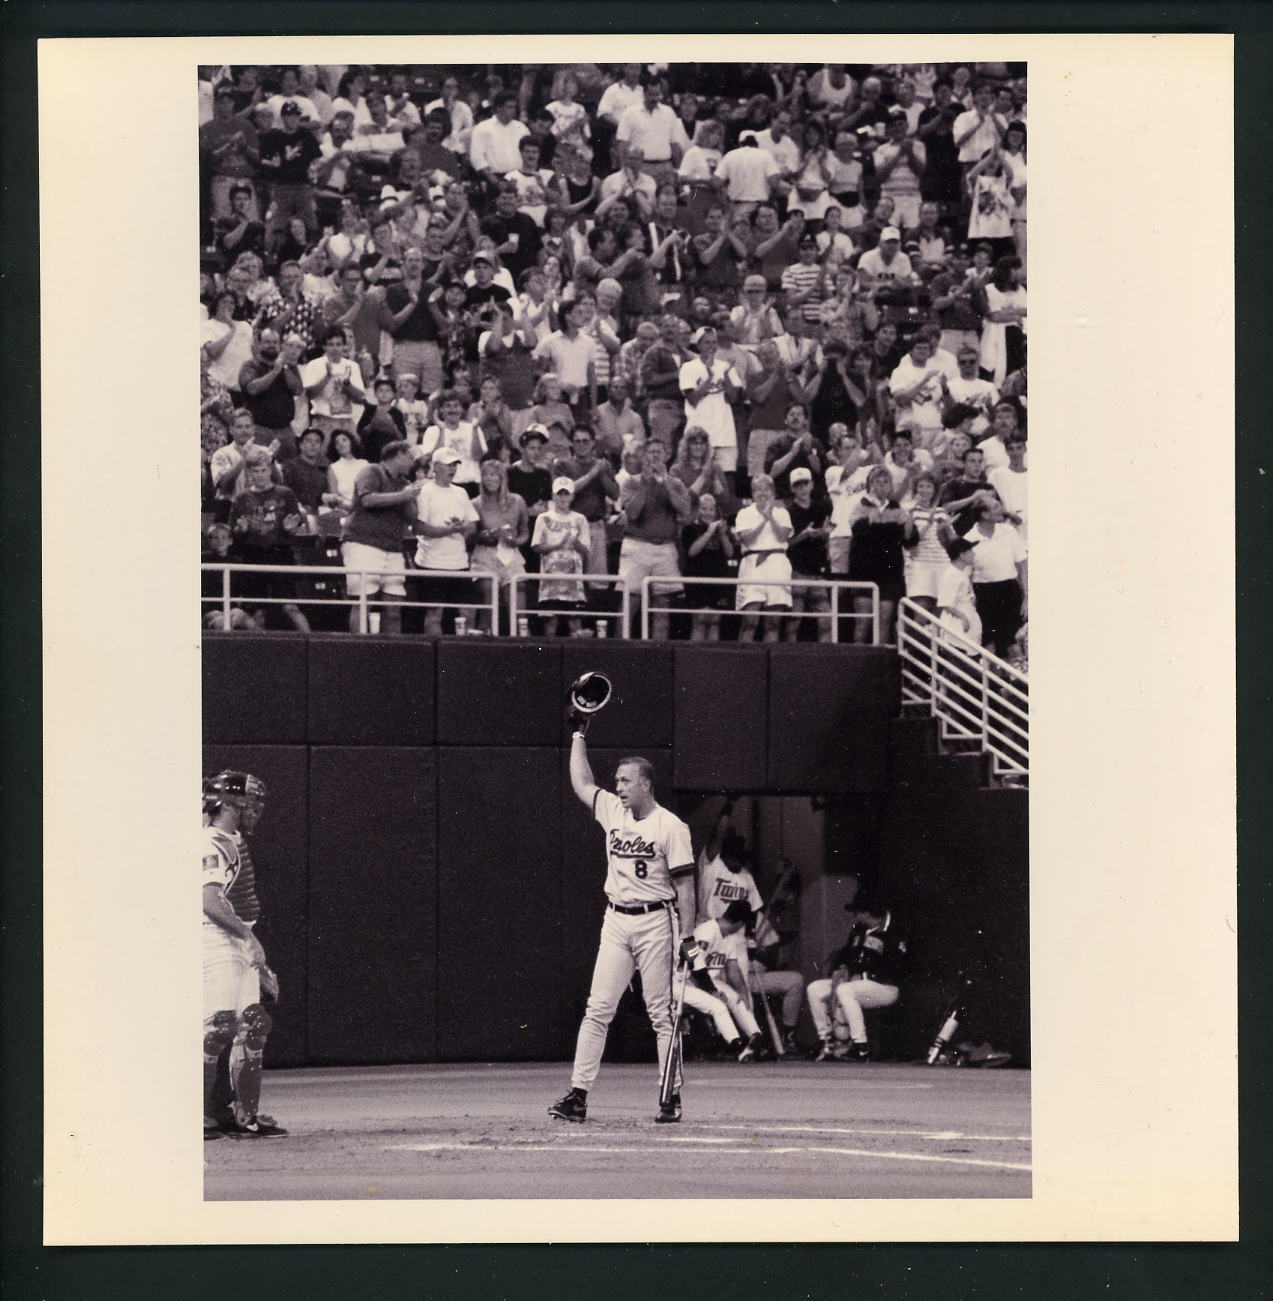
x=230, y=982
x=646, y=943
x=726, y=1009
x=854, y=997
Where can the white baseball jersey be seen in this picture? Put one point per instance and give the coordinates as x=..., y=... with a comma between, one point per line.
x=718, y=887
x=719, y=949
x=642, y=856
x=221, y=860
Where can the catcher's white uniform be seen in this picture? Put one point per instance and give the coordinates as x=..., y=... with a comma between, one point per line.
x=230, y=982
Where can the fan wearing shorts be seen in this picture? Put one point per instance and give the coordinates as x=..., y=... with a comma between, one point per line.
x=655, y=504
x=383, y=514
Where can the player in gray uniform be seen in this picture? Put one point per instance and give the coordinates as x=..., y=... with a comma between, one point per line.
x=650, y=893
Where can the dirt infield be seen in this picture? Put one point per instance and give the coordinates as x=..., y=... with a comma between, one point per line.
x=795, y=1129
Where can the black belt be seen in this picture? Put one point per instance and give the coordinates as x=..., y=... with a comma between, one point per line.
x=773, y=551
x=866, y=975
x=635, y=909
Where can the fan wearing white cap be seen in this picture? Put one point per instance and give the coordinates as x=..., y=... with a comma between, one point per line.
x=445, y=519
x=885, y=265
x=561, y=540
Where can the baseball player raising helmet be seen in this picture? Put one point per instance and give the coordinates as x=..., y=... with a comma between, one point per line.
x=650, y=904
x=235, y=1022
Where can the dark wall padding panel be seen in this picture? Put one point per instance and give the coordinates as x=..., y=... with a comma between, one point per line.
x=371, y=691
x=829, y=713
x=583, y=878
x=498, y=693
x=390, y=948
x=499, y=916
x=254, y=688
x=721, y=731
x=640, y=711
x=956, y=863
x=280, y=854
x=373, y=947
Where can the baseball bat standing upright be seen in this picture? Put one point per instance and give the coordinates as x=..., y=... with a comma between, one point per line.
x=774, y=1036
x=787, y=873
x=674, y=1048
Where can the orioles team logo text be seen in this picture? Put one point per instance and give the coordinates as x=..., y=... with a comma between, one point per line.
x=633, y=847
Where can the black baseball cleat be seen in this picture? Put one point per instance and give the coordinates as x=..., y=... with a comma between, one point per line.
x=574, y=1106
x=858, y=1053
x=789, y=1045
x=253, y=1127
x=752, y=1052
x=211, y=1130
x=670, y=1111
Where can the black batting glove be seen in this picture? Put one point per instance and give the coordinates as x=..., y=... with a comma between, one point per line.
x=578, y=721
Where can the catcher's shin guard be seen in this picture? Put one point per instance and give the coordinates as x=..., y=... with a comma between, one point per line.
x=246, y=1057
x=218, y=1037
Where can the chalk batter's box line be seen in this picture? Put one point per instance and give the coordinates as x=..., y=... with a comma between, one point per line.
x=706, y=1150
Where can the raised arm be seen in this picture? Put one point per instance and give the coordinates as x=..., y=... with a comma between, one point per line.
x=724, y=820
x=581, y=779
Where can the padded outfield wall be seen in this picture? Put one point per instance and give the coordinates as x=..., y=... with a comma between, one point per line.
x=431, y=888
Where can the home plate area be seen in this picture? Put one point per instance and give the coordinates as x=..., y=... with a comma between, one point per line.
x=790, y=1129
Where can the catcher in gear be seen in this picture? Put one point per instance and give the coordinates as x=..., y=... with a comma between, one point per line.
x=236, y=976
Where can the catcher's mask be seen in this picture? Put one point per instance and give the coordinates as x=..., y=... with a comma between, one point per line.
x=590, y=692
x=230, y=787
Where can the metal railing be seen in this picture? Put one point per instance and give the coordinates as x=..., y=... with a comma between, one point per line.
x=227, y=600
x=519, y=609
x=616, y=621
x=973, y=694
x=834, y=614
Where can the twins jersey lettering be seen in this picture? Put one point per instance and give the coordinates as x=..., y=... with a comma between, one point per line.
x=718, y=887
x=718, y=949
x=642, y=856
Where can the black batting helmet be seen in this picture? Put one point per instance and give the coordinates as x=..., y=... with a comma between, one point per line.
x=590, y=692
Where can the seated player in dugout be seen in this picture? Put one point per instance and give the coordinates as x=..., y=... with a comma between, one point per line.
x=865, y=976
x=721, y=990
x=724, y=874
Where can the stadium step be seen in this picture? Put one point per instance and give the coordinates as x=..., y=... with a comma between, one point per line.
x=914, y=740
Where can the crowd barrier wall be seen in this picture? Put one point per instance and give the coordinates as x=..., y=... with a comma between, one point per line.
x=431, y=888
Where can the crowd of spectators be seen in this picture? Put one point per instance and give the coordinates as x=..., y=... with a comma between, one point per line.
x=754, y=321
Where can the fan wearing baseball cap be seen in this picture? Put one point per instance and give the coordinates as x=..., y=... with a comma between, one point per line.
x=561, y=540
x=286, y=156
x=956, y=601
x=445, y=519
x=807, y=551
x=885, y=266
